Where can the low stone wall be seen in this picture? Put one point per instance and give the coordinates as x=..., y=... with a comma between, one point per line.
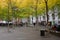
x=56, y=33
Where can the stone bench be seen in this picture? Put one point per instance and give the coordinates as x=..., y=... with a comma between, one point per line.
x=56, y=33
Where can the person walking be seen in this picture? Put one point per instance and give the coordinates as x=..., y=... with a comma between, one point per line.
x=34, y=21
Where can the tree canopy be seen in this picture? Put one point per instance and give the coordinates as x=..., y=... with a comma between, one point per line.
x=25, y=7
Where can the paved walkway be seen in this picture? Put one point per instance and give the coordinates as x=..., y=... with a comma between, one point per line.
x=24, y=33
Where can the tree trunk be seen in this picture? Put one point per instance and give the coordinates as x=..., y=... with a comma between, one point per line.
x=36, y=12
x=8, y=16
x=9, y=5
x=46, y=3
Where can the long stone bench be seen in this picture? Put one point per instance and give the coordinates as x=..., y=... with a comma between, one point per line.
x=56, y=33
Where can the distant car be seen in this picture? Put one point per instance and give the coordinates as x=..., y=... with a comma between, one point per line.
x=4, y=23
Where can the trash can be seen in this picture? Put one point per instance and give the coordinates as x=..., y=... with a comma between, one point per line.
x=42, y=32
